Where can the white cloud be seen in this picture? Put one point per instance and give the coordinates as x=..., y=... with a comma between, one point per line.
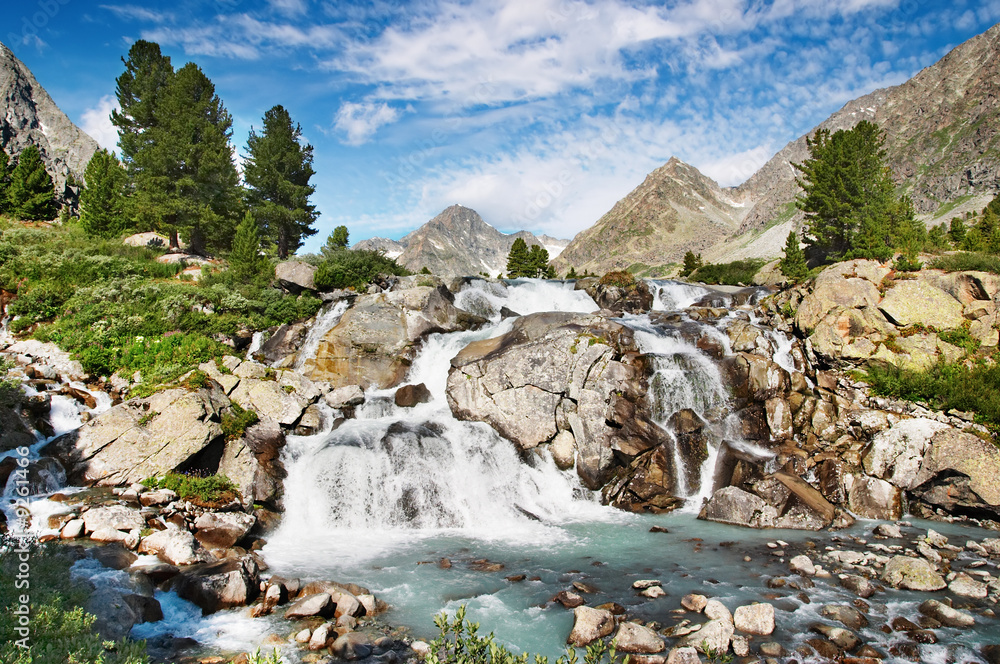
x=132, y=12
x=360, y=121
x=734, y=169
x=96, y=122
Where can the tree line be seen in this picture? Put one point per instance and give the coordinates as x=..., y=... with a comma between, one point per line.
x=26, y=189
x=177, y=173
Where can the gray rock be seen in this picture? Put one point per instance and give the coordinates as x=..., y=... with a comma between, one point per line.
x=221, y=585
x=713, y=636
x=295, y=276
x=889, y=530
x=352, y=646
x=735, y=506
x=840, y=637
x=589, y=625
x=222, y=530
x=946, y=615
x=965, y=586
x=176, y=547
x=123, y=445
x=113, y=517
x=694, y=602
x=633, y=638
x=801, y=564
x=157, y=498
x=848, y=615
x=683, y=655
x=895, y=455
x=269, y=398
x=912, y=574
x=348, y=395
x=318, y=604
x=72, y=529
x=755, y=619
x=872, y=498
x=858, y=585
x=911, y=301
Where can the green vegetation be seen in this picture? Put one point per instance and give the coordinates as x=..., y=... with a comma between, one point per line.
x=852, y=210
x=60, y=630
x=118, y=310
x=30, y=195
x=277, y=171
x=4, y=181
x=340, y=267
x=793, y=263
x=531, y=263
x=247, y=264
x=691, y=263
x=102, y=202
x=944, y=386
x=237, y=421
x=210, y=490
x=967, y=261
x=620, y=279
x=737, y=273
x=10, y=388
x=459, y=642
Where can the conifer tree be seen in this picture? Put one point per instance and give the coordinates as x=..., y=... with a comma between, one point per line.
x=572, y=273
x=246, y=264
x=277, y=171
x=518, y=260
x=538, y=263
x=139, y=89
x=793, y=264
x=102, y=201
x=849, y=197
x=691, y=263
x=30, y=193
x=4, y=180
x=336, y=241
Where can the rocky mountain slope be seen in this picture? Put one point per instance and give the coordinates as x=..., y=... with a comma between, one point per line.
x=458, y=242
x=943, y=142
x=30, y=117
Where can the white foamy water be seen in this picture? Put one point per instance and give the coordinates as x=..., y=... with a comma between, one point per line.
x=523, y=297
x=669, y=295
x=325, y=321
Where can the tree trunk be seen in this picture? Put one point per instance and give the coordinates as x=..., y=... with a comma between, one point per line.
x=283, y=242
x=175, y=243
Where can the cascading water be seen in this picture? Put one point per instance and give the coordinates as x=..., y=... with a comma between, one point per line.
x=391, y=474
x=671, y=295
x=327, y=318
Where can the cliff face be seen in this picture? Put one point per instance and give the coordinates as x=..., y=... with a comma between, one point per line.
x=943, y=146
x=30, y=117
x=457, y=242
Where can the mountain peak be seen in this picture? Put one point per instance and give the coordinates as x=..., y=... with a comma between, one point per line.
x=31, y=118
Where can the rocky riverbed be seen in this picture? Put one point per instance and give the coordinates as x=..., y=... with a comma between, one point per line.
x=730, y=406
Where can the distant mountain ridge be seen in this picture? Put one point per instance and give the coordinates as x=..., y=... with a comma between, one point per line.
x=30, y=117
x=458, y=242
x=942, y=141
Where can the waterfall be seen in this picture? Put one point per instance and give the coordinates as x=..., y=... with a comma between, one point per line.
x=325, y=321
x=669, y=295
x=394, y=474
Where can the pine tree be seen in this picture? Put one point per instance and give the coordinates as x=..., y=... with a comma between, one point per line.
x=849, y=197
x=174, y=139
x=246, y=264
x=30, y=193
x=336, y=241
x=956, y=231
x=277, y=172
x=572, y=273
x=4, y=180
x=793, y=265
x=538, y=262
x=691, y=263
x=518, y=260
x=102, y=202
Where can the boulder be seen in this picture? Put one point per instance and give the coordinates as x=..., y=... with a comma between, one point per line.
x=740, y=508
x=755, y=619
x=560, y=367
x=714, y=636
x=915, y=301
x=166, y=432
x=269, y=398
x=946, y=615
x=295, y=276
x=222, y=530
x=352, y=646
x=147, y=240
x=848, y=615
x=563, y=450
x=895, y=454
x=216, y=586
x=684, y=655
x=376, y=339
x=832, y=288
x=112, y=517
x=409, y=396
x=633, y=638
x=589, y=625
x=964, y=467
x=872, y=498
x=912, y=574
x=174, y=546
x=635, y=300
x=964, y=585
x=317, y=604
x=346, y=396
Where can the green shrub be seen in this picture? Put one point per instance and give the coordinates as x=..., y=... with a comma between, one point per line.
x=620, y=278
x=459, y=643
x=962, y=338
x=967, y=261
x=237, y=421
x=10, y=388
x=906, y=264
x=355, y=268
x=737, y=273
x=212, y=489
x=61, y=631
x=945, y=386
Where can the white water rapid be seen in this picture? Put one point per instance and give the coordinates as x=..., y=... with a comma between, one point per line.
x=326, y=319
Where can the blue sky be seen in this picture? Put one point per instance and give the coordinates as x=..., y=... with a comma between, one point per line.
x=539, y=114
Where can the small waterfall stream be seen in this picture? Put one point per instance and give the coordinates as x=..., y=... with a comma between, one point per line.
x=327, y=318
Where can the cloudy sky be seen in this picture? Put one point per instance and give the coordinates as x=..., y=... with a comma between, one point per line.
x=539, y=114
